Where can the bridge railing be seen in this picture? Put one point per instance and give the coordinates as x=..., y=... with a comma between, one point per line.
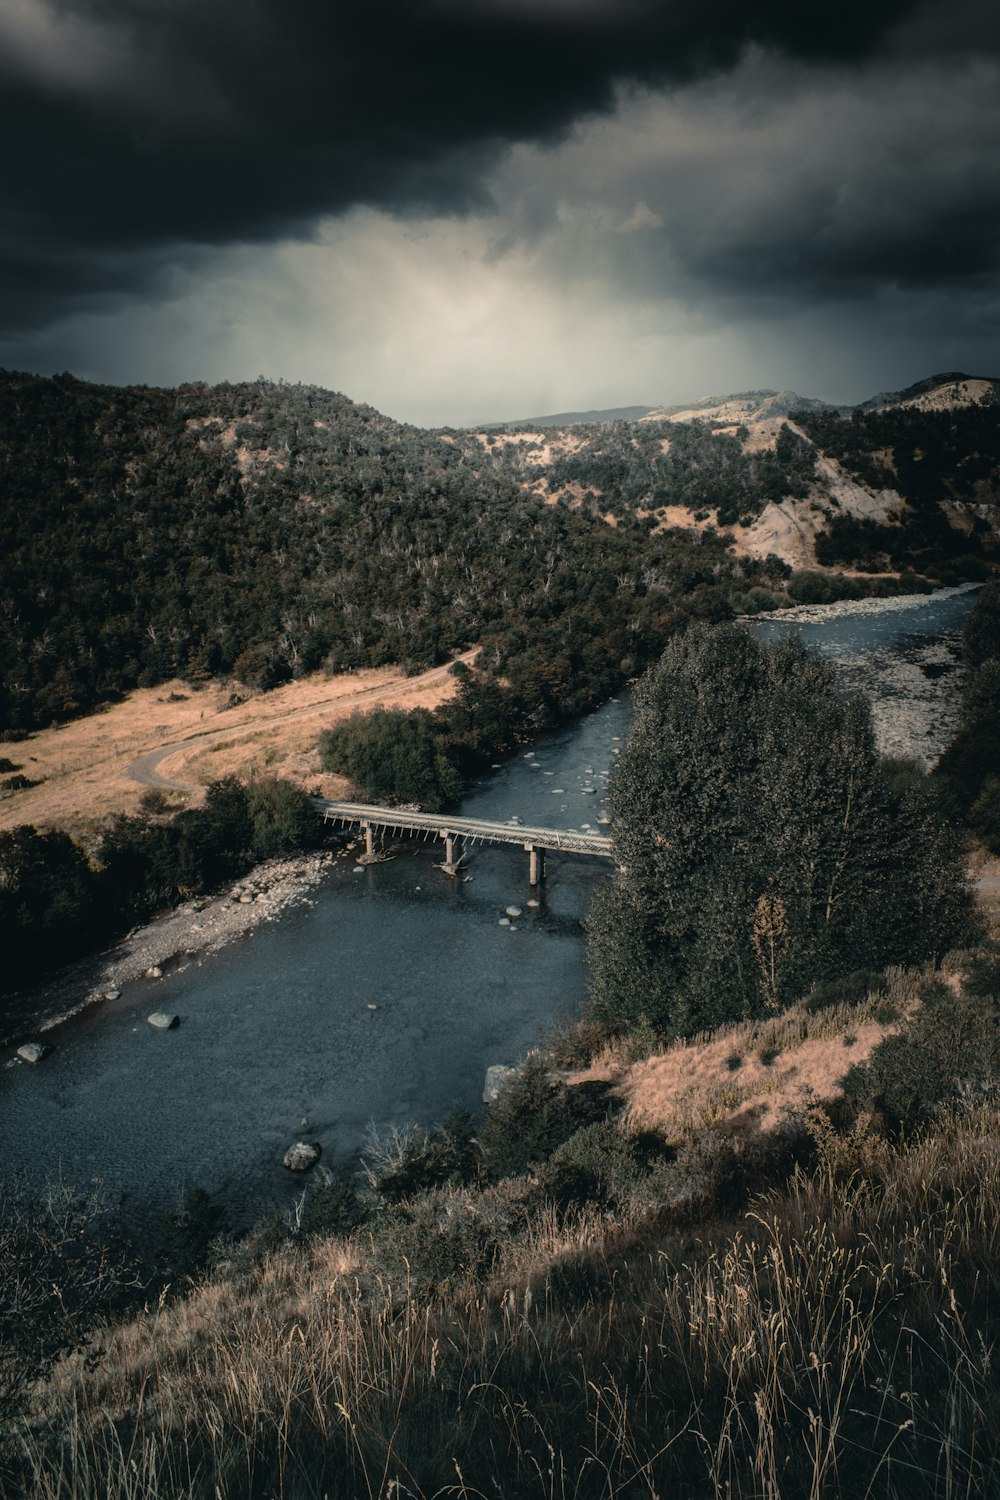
x=471, y=830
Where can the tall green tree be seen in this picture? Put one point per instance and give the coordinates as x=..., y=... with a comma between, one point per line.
x=761, y=846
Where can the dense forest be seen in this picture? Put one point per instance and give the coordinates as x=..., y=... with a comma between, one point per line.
x=263, y=531
x=624, y=466
x=268, y=530
x=932, y=458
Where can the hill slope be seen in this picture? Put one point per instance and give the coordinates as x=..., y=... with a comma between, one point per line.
x=266, y=531
x=910, y=479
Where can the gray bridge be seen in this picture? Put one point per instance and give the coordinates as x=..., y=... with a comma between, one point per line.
x=537, y=842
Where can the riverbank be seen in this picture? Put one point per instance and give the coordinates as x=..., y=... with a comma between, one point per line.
x=806, y=614
x=172, y=942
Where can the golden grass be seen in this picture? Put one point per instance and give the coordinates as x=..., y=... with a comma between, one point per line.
x=83, y=767
x=836, y=1341
x=755, y=1073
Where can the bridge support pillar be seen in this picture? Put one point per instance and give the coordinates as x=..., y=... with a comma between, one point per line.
x=536, y=865
x=369, y=842
x=452, y=852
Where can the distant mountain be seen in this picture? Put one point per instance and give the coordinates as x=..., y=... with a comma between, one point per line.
x=908, y=480
x=935, y=393
x=744, y=406
x=939, y=393
x=569, y=418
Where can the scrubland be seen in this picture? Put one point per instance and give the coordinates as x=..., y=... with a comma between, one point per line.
x=709, y=1303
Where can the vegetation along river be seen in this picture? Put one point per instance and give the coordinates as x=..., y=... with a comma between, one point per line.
x=280, y=1028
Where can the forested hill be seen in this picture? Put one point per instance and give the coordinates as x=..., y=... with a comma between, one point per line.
x=268, y=530
x=910, y=479
x=263, y=531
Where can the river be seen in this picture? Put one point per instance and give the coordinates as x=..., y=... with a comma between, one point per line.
x=281, y=1029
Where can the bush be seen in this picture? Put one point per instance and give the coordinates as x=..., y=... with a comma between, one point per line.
x=390, y=753
x=950, y=1052
x=398, y=1164
x=446, y=1236
x=598, y=1164
x=183, y=1249
x=719, y=1170
x=330, y=1205
x=850, y=990
x=282, y=818
x=533, y=1115
x=63, y=1263
x=576, y=1280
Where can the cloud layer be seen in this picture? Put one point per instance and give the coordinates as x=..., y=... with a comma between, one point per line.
x=439, y=178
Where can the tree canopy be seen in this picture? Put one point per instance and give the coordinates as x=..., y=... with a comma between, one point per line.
x=761, y=845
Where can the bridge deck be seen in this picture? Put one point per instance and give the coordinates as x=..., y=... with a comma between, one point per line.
x=474, y=830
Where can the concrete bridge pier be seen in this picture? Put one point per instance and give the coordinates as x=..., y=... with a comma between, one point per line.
x=452, y=852
x=536, y=865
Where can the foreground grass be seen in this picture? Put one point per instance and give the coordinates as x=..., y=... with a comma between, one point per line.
x=835, y=1340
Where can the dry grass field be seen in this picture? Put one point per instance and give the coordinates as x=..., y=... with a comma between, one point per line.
x=84, y=769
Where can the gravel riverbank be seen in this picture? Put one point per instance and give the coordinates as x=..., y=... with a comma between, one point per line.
x=171, y=942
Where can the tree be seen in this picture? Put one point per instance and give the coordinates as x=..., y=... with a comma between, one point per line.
x=391, y=753
x=761, y=846
x=283, y=818
x=47, y=908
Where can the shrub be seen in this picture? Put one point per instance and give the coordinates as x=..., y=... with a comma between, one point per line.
x=949, y=1052
x=400, y=1163
x=330, y=1204
x=850, y=990
x=446, y=1236
x=63, y=1263
x=183, y=1249
x=534, y=1114
x=718, y=1170
x=282, y=818
x=576, y=1279
x=598, y=1164
x=392, y=753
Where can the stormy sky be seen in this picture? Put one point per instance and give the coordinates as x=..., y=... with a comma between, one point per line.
x=460, y=210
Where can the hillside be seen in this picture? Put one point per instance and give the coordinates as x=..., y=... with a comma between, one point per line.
x=906, y=480
x=265, y=531
x=261, y=532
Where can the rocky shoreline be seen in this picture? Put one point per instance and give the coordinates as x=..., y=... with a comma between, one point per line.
x=172, y=941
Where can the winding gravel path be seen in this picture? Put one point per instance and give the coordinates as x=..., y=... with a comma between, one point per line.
x=144, y=769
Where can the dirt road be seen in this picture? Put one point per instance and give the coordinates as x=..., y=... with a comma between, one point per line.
x=145, y=768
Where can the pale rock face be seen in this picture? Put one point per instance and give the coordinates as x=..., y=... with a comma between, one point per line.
x=496, y=1077
x=302, y=1156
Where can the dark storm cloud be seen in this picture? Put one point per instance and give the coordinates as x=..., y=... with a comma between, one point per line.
x=136, y=130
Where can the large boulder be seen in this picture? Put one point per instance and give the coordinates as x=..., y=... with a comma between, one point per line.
x=496, y=1077
x=302, y=1156
x=32, y=1052
x=164, y=1020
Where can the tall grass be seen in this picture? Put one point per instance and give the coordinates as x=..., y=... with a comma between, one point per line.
x=835, y=1341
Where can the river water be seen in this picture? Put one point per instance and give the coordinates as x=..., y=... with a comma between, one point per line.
x=280, y=1029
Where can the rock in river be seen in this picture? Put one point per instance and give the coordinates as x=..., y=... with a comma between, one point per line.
x=31, y=1052
x=302, y=1156
x=496, y=1076
x=164, y=1020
